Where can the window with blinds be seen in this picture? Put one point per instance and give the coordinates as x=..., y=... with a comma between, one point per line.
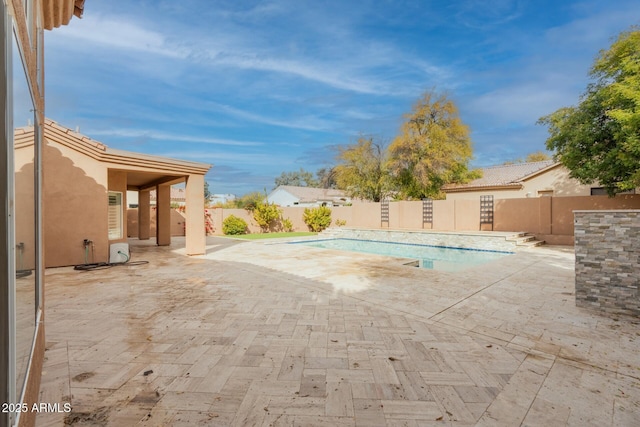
x=115, y=215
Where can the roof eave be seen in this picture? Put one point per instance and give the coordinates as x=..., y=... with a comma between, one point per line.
x=125, y=159
x=539, y=172
x=59, y=12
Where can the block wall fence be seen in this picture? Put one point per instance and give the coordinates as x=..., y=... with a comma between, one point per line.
x=548, y=218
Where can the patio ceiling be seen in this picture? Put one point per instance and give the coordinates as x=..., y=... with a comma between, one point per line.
x=147, y=180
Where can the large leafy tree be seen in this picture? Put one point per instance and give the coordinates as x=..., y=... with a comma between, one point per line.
x=599, y=140
x=362, y=170
x=301, y=178
x=433, y=149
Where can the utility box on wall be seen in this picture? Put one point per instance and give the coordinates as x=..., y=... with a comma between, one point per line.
x=119, y=253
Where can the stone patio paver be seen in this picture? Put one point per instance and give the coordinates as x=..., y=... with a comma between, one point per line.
x=268, y=333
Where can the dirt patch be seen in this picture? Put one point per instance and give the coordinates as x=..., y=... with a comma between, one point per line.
x=97, y=418
x=147, y=398
x=83, y=376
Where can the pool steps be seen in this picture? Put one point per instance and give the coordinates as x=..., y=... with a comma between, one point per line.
x=526, y=240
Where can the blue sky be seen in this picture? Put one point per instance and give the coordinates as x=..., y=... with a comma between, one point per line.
x=261, y=87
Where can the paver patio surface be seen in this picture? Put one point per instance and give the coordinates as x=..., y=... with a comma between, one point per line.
x=267, y=333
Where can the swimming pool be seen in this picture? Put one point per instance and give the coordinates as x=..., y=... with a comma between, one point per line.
x=433, y=257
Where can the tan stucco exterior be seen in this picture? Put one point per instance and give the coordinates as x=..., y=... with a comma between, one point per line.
x=78, y=175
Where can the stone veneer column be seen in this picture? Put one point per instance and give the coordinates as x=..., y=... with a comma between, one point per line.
x=607, y=247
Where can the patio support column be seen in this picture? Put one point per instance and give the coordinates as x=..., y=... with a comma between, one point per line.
x=144, y=214
x=195, y=231
x=163, y=215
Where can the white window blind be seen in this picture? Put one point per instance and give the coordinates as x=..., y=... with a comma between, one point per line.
x=115, y=215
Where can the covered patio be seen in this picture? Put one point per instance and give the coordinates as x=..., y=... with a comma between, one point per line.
x=85, y=196
x=265, y=333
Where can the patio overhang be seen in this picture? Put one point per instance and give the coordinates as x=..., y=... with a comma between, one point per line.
x=121, y=171
x=59, y=12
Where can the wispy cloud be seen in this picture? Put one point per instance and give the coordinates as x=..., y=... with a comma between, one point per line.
x=308, y=123
x=120, y=33
x=226, y=157
x=483, y=15
x=344, y=69
x=151, y=134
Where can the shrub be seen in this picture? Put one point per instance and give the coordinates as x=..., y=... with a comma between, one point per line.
x=287, y=225
x=341, y=222
x=317, y=219
x=233, y=225
x=266, y=214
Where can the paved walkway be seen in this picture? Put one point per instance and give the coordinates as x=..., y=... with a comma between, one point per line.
x=259, y=333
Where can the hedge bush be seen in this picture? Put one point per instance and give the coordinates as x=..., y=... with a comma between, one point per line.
x=317, y=219
x=287, y=225
x=266, y=215
x=233, y=225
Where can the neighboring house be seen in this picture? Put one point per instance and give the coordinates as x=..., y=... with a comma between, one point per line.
x=290, y=195
x=518, y=180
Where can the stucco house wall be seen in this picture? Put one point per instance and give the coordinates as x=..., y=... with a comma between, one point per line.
x=282, y=197
x=75, y=199
x=558, y=181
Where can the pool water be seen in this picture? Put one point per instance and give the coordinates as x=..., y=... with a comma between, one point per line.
x=433, y=257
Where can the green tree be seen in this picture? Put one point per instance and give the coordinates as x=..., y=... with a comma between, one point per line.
x=326, y=177
x=301, y=178
x=433, y=149
x=207, y=193
x=538, y=156
x=249, y=200
x=362, y=171
x=599, y=139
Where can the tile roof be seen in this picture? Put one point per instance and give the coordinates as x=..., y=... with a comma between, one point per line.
x=505, y=175
x=311, y=194
x=59, y=134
